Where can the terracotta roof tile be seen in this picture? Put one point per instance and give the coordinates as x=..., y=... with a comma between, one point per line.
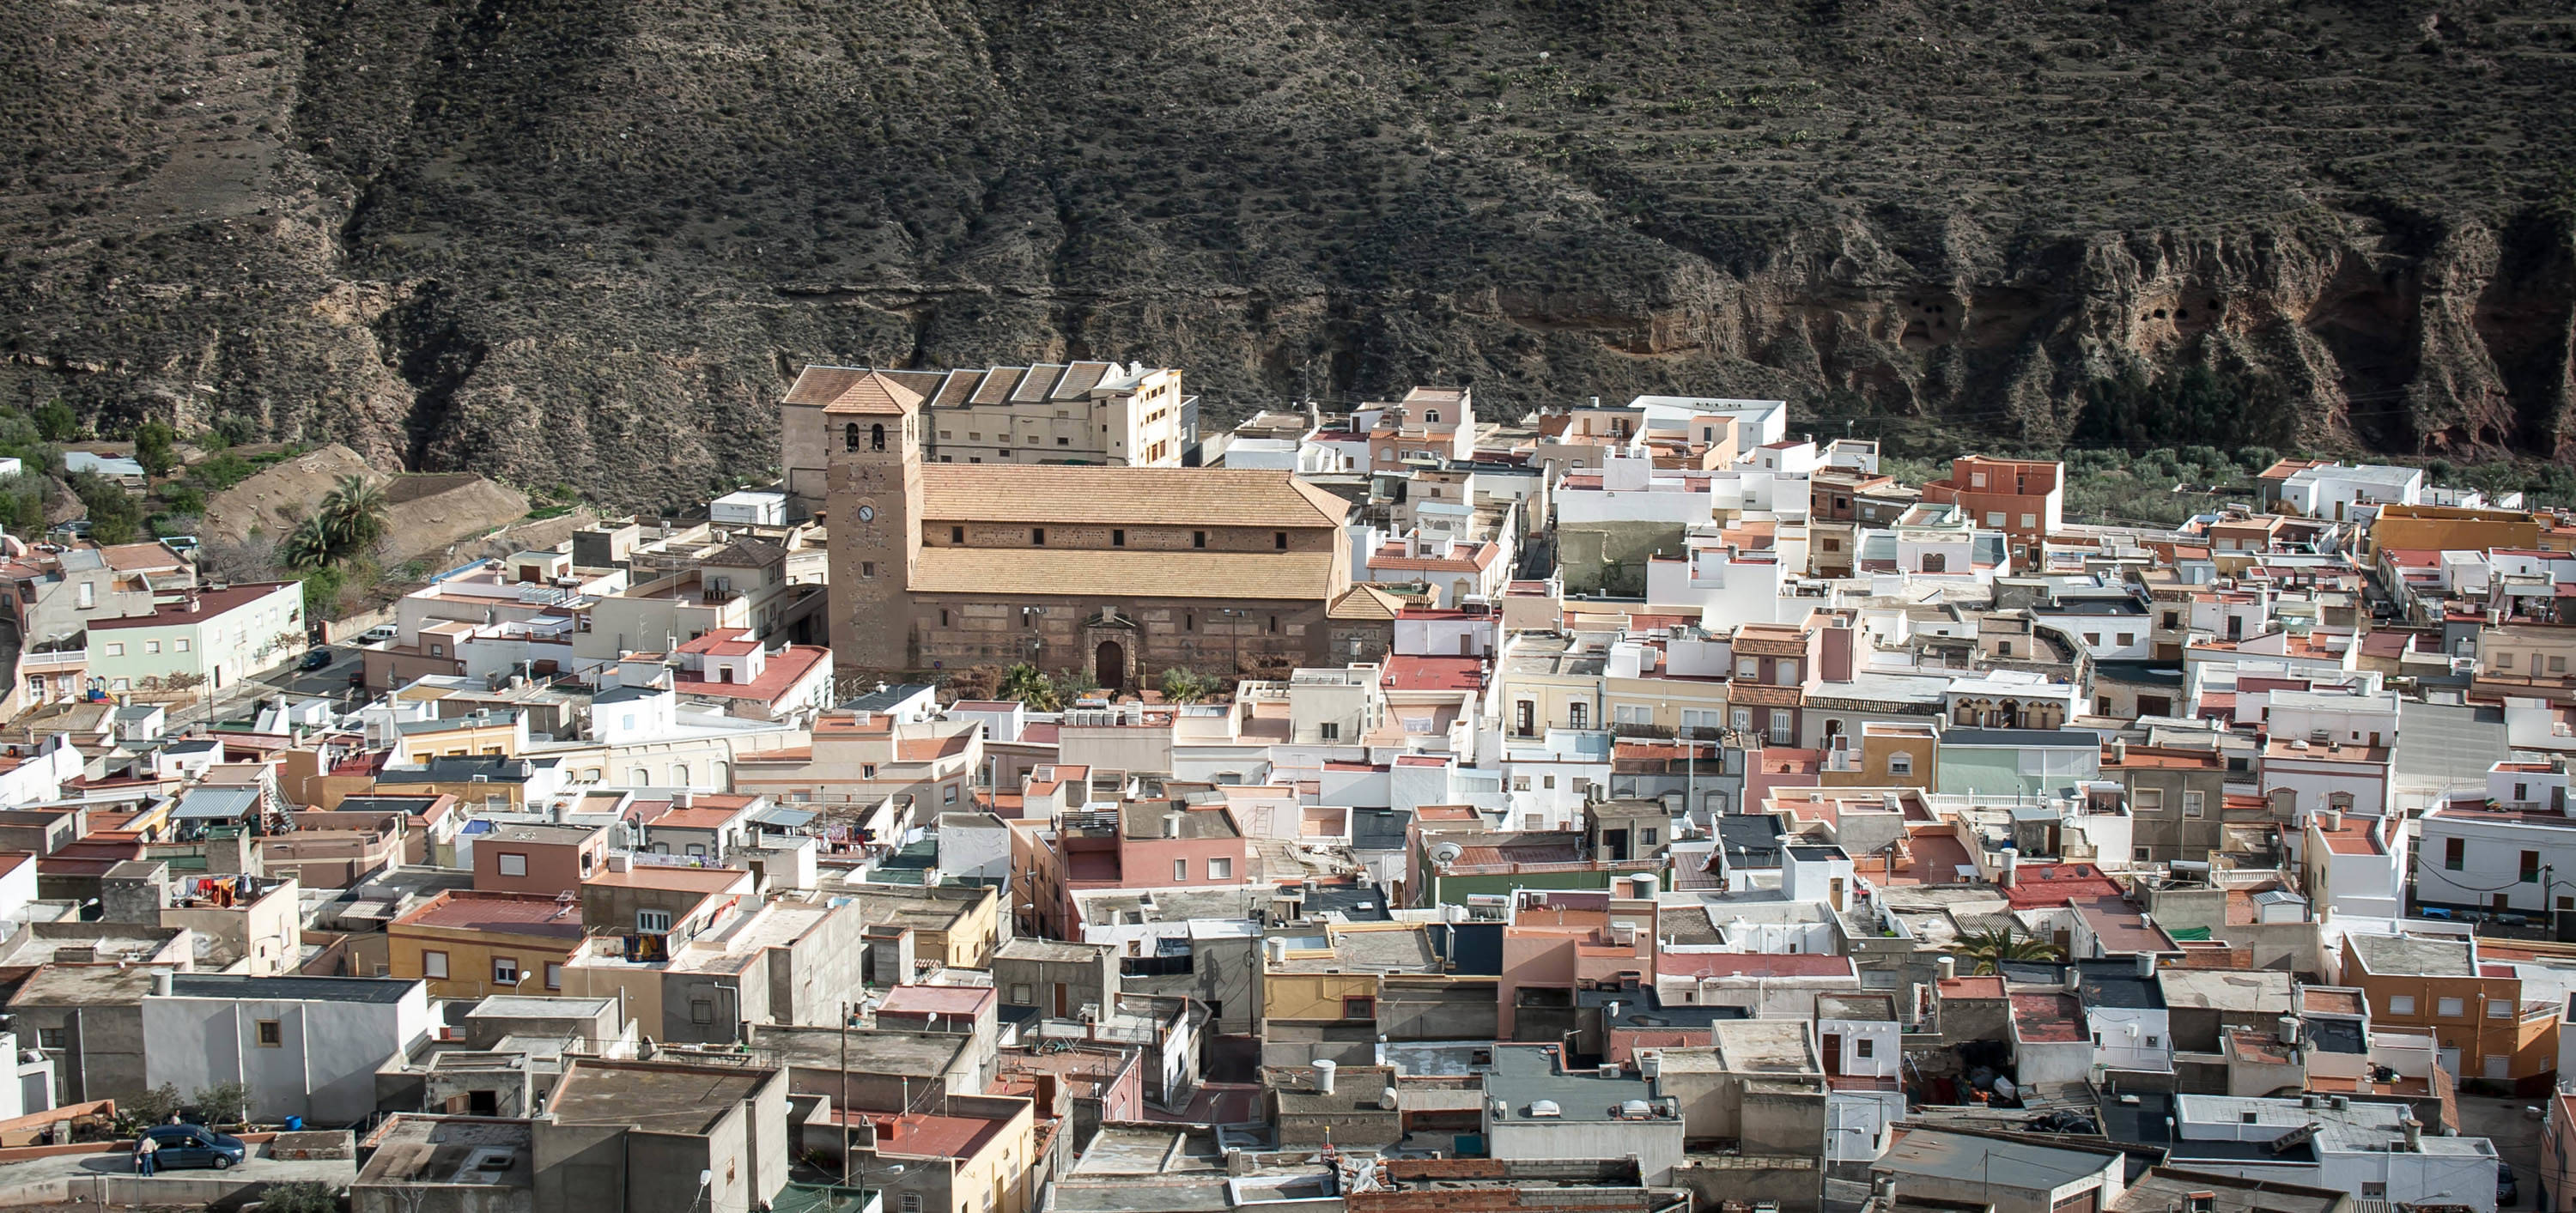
x=841, y=389
x=1074, y=495
x=1366, y=602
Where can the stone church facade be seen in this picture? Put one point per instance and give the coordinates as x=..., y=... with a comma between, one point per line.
x=1121, y=571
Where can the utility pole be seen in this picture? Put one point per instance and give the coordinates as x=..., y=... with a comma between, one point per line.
x=844, y=1034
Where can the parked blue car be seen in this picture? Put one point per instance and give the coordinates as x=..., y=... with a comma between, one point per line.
x=195, y=1146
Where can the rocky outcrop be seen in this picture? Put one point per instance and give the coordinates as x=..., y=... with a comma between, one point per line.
x=588, y=241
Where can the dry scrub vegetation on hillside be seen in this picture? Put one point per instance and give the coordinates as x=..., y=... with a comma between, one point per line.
x=584, y=240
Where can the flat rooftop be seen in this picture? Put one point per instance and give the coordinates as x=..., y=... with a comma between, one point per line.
x=1049, y=951
x=2026, y=1166
x=870, y=1050
x=1527, y=1074
x=416, y=1149
x=657, y=1097
x=2412, y=954
x=83, y=985
x=2163, y=1188
x=291, y=989
x=2226, y=989
x=529, y=1006
x=2361, y=1127
x=1148, y=1150
x=1762, y=1046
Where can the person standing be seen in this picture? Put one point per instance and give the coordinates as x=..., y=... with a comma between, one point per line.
x=144, y=1148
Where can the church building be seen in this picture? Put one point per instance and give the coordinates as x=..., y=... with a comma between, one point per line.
x=1121, y=571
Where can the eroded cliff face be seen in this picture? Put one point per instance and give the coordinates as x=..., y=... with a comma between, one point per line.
x=588, y=241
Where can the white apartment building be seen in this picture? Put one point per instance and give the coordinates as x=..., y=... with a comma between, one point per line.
x=2333, y=490
x=2372, y=1150
x=2513, y=850
x=220, y=636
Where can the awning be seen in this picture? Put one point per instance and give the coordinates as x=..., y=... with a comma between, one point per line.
x=217, y=804
x=784, y=818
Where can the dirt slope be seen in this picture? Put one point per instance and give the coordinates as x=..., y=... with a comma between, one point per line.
x=426, y=515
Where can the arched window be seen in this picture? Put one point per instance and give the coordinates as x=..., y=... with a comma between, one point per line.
x=640, y=777
x=850, y=436
x=679, y=774
x=876, y=437
x=1431, y=415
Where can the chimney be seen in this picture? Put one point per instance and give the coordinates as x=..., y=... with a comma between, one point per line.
x=2119, y=750
x=2414, y=1130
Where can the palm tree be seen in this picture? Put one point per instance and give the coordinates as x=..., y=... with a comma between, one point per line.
x=1991, y=948
x=353, y=515
x=1184, y=685
x=308, y=546
x=1030, y=685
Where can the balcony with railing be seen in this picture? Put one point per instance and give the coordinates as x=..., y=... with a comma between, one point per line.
x=1666, y=732
x=44, y=661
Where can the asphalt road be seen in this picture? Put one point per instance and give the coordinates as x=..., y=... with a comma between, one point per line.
x=2517, y=1139
x=258, y=1168
x=329, y=681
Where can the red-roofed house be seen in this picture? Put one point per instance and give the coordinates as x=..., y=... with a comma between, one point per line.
x=1457, y=571
x=474, y=944
x=708, y=827
x=752, y=681
x=978, y=1152
x=2032, y=885
x=1766, y=985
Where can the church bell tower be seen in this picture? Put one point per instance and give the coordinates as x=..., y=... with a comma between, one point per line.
x=874, y=511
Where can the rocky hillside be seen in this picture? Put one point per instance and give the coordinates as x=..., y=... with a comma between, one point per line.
x=585, y=241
